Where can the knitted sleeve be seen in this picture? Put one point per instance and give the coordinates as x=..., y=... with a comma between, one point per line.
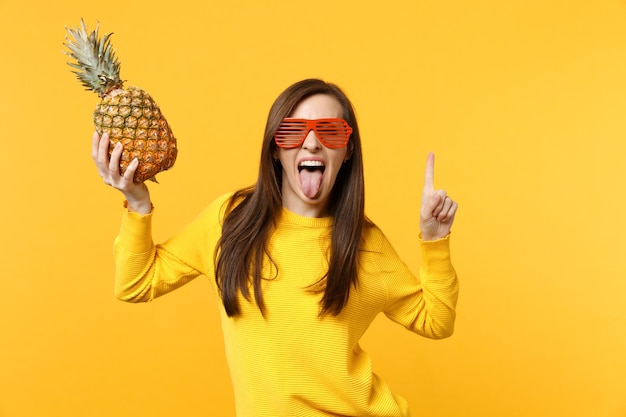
x=145, y=270
x=426, y=304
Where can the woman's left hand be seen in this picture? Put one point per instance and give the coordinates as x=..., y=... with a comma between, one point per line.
x=438, y=210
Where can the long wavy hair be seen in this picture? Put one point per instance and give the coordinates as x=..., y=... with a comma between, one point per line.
x=251, y=214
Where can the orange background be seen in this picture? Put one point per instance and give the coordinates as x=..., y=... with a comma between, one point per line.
x=523, y=103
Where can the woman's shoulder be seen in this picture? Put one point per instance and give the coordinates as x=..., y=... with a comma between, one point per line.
x=225, y=203
x=221, y=202
x=372, y=237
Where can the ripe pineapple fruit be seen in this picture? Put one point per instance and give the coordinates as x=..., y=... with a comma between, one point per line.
x=127, y=115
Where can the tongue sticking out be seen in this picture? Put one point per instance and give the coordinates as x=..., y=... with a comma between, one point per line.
x=310, y=181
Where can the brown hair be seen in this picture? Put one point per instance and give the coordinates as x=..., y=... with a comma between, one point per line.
x=252, y=212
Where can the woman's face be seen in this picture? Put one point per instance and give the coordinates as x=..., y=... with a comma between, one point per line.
x=309, y=171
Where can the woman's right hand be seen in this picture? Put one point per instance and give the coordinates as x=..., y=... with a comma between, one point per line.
x=137, y=195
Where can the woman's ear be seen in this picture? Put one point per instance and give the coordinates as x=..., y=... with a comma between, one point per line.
x=349, y=152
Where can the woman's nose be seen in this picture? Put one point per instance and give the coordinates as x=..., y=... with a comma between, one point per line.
x=311, y=142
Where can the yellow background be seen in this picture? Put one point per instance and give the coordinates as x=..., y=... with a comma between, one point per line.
x=523, y=103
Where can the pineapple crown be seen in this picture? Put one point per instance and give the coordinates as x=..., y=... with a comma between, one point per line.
x=97, y=67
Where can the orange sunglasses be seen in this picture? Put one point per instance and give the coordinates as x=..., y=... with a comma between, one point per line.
x=332, y=132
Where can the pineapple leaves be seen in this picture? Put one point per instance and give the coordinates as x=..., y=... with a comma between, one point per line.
x=96, y=66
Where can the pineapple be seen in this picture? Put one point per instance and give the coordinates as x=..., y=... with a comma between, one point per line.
x=127, y=115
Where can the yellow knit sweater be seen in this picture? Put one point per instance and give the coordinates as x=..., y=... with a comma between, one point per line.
x=291, y=362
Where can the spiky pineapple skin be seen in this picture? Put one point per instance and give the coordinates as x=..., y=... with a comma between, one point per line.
x=132, y=117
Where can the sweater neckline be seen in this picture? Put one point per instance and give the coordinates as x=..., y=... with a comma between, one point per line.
x=312, y=222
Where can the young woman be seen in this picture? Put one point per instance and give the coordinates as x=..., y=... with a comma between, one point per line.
x=300, y=271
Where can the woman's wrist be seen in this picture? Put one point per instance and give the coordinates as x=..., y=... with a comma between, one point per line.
x=138, y=199
x=139, y=207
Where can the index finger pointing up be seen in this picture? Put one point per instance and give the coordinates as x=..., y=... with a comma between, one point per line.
x=429, y=174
